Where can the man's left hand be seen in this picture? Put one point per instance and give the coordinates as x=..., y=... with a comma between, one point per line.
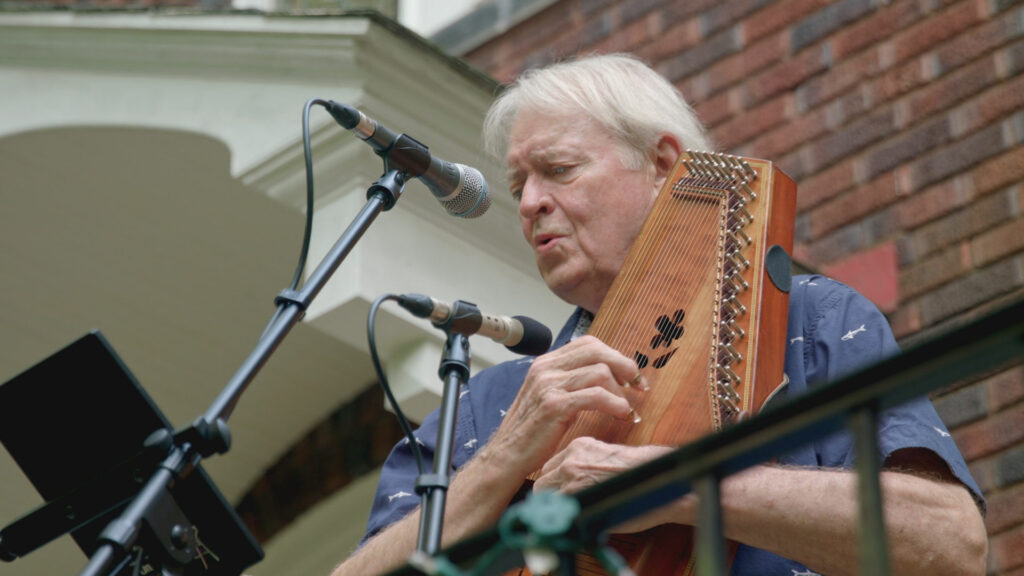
x=587, y=461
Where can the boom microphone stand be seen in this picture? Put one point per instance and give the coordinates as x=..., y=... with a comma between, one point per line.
x=153, y=515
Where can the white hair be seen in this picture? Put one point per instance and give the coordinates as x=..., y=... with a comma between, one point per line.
x=619, y=92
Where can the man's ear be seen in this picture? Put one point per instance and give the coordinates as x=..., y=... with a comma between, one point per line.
x=666, y=152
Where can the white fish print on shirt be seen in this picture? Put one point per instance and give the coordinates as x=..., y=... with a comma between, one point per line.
x=850, y=335
x=397, y=495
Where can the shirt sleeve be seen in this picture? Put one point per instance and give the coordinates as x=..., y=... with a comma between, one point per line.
x=482, y=404
x=396, y=489
x=848, y=333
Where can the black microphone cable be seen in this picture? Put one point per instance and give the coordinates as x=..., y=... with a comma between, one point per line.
x=382, y=380
x=308, y=232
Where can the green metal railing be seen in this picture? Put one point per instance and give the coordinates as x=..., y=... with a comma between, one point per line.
x=988, y=343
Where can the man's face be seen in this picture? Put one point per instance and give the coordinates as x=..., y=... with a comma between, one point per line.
x=579, y=205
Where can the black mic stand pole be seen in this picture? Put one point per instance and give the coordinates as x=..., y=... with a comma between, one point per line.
x=154, y=505
x=433, y=488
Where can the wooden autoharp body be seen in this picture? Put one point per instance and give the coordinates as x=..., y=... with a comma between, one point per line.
x=701, y=304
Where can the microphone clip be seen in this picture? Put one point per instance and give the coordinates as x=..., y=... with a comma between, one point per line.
x=408, y=155
x=402, y=152
x=463, y=318
x=459, y=317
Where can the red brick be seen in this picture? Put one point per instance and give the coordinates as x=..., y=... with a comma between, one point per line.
x=556, y=21
x=933, y=30
x=991, y=435
x=633, y=36
x=777, y=15
x=824, y=185
x=678, y=11
x=352, y=441
x=705, y=53
x=590, y=33
x=635, y=10
x=872, y=273
x=851, y=105
x=836, y=245
x=875, y=29
x=904, y=147
x=734, y=68
x=853, y=205
x=1000, y=101
x=714, y=110
x=510, y=52
x=999, y=172
x=963, y=224
x=589, y=9
x=978, y=40
x=839, y=79
x=959, y=156
x=942, y=94
x=1006, y=388
x=905, y=320
x=787, y=74
x=983, y=472
x=1007, y=549
x=745, y=127
x=998, y=242
x=723, y=14
x=787, y=138
x=935, y=271
x=935, y=201
x=676, y=38
x=800, y=252
x=793, y=164
x=823, y=23
x=899, y=80
x=983, y=290
x=853, y=137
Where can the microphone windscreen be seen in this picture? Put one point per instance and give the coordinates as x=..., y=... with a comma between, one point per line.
x=472, y=200
x=536, y=338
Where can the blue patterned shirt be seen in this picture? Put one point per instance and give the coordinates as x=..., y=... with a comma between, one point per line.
x=832, y=331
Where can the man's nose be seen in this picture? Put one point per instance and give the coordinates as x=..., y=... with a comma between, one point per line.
x=534, y=199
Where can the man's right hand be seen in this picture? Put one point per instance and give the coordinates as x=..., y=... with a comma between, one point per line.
x=585, y=374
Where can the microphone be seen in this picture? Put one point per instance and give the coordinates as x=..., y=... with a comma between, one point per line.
x=460, y=189
x=520, y=334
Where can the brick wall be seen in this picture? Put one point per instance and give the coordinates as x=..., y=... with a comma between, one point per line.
x=902, y=123
x=352, y=441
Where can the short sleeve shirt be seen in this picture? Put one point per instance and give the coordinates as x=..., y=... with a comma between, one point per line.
x=832, y=331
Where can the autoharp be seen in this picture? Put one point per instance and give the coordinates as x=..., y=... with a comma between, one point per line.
x=701, y=305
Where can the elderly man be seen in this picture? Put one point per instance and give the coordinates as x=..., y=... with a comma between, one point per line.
x=588, y=144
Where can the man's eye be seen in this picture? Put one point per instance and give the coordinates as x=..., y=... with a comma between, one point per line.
x=559, y=170
x=517, y=194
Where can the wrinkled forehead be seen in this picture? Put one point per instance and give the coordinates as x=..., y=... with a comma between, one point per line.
x=545, y=136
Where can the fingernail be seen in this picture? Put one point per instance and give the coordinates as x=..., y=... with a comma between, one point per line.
x=639, y=381
x=634, y=416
